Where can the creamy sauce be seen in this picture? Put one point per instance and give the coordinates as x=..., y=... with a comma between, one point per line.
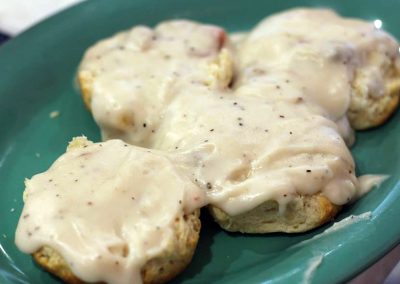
x=141, y=71
x=262, y=118
x=99, y=209
x=280, y=130
x=367, y=182
x=313, y=264
x=337, y=226
x=366, y=216
x=327, y=54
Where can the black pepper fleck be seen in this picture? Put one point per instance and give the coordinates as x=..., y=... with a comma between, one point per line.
x=240, y=124
x=205, y=141
x=209, y=186
x=211, y=130
x=281, y=116
x=90, y=203
x=308, y=171
x=258, y=71
x=234, y=103
x=144, y=125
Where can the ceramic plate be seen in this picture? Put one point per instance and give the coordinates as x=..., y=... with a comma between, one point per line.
x=37, y=72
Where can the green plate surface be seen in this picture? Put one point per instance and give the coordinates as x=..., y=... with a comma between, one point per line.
x=37, y=77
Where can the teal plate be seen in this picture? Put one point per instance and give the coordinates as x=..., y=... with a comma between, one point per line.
x=37, y=77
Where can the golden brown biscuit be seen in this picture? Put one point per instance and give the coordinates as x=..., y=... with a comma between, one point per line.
x=85, y=80
x=157, y=270
x=303, y=214
x=367, y=110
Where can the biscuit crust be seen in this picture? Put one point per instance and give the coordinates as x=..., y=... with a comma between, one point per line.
x=157, y=270
x=302, y=214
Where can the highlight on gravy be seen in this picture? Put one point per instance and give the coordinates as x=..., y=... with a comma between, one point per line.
x=232, y=123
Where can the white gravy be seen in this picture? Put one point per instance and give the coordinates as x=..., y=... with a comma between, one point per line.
x=96, y=207
x=243, y=130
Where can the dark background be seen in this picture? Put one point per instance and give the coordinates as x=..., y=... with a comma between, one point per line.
x=3, y=38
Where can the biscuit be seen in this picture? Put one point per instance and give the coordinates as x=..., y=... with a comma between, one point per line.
x=367, y=111
x=157, y=270
x=302, y=214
